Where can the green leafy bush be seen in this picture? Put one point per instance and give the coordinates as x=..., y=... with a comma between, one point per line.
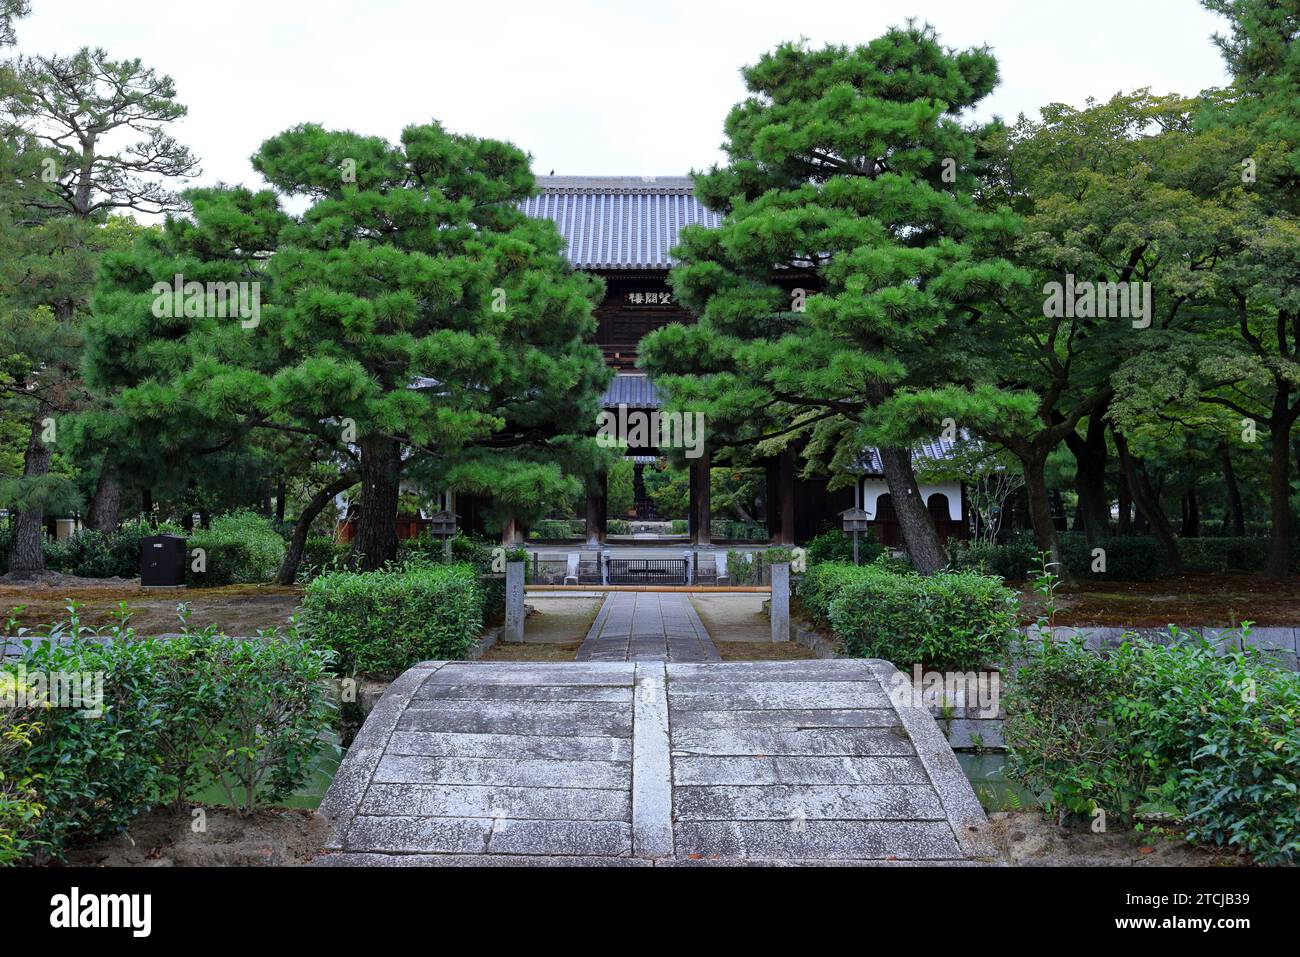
x=744, y=568
x=173, y=712
x=116, y=554
x=20, y=805
x=834, y=546
x=320, y=554
x=384, y=622
x=1013, y=561
x=729, y=530
x=262, y=707
x=1213, y=738
x=618, y=526
x=951, y=620
x=473, y=550
x=1129, y=558
x=239, y=547
x=821, y=583
x=1061, y=744
x=558, y=529
x=94, y=774
x=678, y=526
x=1229, y=554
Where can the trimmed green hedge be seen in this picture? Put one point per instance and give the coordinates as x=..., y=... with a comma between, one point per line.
x=822, y=582
x=1229, y=554
x=737, y=531
x=92, y=554
x=321, y=554
x=1213, y=739
x=952, y=620
x=1129, y=558
x=247, y=713
x=239, y=547
x=836, y=546
x=1011, y=562
x=558, y=529
x=383, y=622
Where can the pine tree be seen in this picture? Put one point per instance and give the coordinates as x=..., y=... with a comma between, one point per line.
x=852, y=262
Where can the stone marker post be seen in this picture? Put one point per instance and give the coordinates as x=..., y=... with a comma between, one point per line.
x=780, y=601
x=514, y=630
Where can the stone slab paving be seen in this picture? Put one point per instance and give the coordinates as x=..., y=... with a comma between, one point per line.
x=649, y=762
x=647, y=626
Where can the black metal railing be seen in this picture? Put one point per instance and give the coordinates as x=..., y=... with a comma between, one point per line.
x=647, y=571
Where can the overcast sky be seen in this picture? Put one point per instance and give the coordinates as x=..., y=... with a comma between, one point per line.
x=631, y=87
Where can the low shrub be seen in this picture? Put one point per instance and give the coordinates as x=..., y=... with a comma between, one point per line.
x=239, y=547
x=678, y=526
x=94, y=554
x=838, y=547
x=383, y=622
x=557, y=529
x=1180, y=728
x=730, y=530
x=1129, y=558
x=744, y=568
x=94, y=774
x=168, y=713
x=20, y=805
x=954, y=620
x=1013, y=561
x=320, y=554
x=618, y=526
x=947, y=621
x=1229, y=554
x=821, y=583
x=246, y=714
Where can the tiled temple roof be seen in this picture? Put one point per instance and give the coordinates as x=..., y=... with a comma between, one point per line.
x=620, y=222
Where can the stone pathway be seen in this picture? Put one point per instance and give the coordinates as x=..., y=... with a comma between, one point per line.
x=649, y=762
x=647, y=626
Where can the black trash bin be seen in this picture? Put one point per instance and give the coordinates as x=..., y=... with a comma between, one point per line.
x=162, y=560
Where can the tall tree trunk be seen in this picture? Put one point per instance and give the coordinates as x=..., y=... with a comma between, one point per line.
x=1279, y=493
x=1090, y=454
x=281, y=493
x=106, y=507
x=288, y=572
x=1236, y=514
x=1191, y=514
x=914, y=522
x=381, y=470
x=1148, y=504
x=1040, y=509
x=26, y=556
x=1058, y=510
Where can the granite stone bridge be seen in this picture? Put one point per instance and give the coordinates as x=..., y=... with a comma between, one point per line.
x=650, y=762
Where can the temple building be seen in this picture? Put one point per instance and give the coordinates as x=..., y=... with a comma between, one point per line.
x=624, y=229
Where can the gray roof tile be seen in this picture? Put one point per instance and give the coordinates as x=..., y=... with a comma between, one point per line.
x=634, y=391
x=620, y=222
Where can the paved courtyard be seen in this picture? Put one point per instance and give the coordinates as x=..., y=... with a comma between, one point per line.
x=649, y=762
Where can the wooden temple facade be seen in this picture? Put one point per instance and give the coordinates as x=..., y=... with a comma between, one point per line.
x=624, y=229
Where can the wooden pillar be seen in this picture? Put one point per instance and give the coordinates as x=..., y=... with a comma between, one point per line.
x=772, y=498
x=700, y=512
x=786, y=481
x=597, y=505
